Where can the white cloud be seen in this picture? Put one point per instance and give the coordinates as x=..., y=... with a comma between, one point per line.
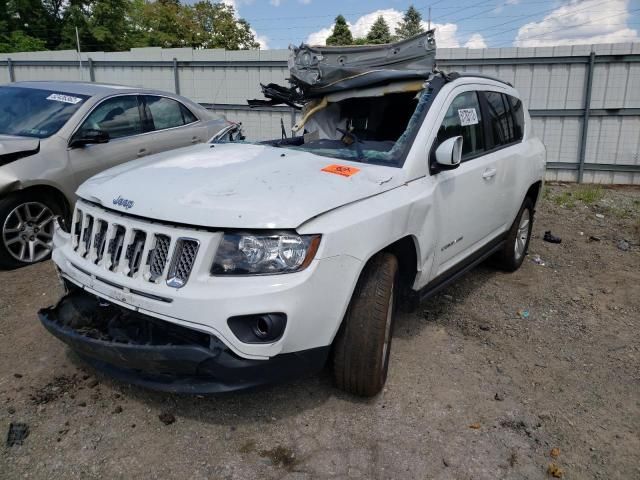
x=580, y=22
x=263, y=40
x=275, y=3
x=476, y=41
x=319, y=37
x=304, y=2
x=446, y=34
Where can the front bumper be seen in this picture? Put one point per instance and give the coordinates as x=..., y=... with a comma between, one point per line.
x=159, y=355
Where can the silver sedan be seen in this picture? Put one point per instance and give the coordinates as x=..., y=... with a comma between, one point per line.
x=55, y=135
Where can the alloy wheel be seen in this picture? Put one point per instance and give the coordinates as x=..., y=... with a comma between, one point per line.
x=27, y=232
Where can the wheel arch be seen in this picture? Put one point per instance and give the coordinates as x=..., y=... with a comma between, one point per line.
x=46, y=191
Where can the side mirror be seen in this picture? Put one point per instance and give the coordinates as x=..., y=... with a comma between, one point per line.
x=449, y=153
x=89, y=136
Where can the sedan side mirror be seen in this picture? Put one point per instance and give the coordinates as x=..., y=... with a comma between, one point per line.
x=449, y=153
x=89, y=136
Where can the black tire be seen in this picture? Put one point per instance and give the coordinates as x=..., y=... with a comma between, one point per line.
x=512, y=255
x=8, y=205
x=360, y=359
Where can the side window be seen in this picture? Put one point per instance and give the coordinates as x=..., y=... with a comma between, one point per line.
x=464, y=118
x=167, y=113
x=500, y=119
x=118, y=116
x=518, y=116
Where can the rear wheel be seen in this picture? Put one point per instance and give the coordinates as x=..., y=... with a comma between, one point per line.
x=363, y=345
x=26, y=234
x=517, y=243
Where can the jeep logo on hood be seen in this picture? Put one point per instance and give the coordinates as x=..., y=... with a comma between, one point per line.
x=123, y=202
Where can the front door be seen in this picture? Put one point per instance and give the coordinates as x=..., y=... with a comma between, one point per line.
x=467, y=198
x=120, y=117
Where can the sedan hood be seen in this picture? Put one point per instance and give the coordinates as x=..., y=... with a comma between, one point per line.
x=236, y=186
x=12, y=148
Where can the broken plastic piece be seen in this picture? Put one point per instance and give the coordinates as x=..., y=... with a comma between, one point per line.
x=17, y=433
x=537, y=260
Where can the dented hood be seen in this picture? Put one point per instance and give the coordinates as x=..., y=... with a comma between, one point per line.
x=236, y=186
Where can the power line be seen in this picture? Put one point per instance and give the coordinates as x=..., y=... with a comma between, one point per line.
x=570, y=27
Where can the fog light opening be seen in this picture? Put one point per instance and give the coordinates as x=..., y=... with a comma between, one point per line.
x=262, y=328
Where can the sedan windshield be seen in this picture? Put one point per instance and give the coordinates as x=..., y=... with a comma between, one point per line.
x=31, y=112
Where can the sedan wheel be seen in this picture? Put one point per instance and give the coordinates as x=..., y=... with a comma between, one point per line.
x=27, y=232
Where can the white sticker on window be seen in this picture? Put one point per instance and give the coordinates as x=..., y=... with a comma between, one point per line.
x=468, y=116
x=58, y=97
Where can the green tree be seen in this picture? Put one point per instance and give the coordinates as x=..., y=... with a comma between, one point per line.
x=411, y=24
x=107, y=26
x=18, y=41
x=217, y=27
x=341, y=34
x=379, y=32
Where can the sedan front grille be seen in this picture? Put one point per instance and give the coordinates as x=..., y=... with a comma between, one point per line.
x=131, y=247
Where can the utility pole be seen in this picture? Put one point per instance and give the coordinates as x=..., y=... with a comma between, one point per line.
x=79, y=55
x=429, y=28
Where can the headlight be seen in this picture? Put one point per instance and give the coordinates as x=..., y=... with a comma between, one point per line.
x=260, y=254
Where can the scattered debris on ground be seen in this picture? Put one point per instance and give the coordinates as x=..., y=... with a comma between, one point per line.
x=17, y=433
x=167, y=418
x=567, y=377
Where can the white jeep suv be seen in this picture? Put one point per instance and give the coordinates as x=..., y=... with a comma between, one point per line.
x=231, y=265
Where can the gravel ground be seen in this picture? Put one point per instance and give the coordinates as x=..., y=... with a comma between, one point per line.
x=518, y=375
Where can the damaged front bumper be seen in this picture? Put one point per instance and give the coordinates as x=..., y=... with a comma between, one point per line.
x=152, y=353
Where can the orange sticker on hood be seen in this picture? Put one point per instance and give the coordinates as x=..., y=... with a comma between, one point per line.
x=341, y=170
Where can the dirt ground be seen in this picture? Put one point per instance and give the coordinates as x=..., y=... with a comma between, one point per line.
x=485, y=380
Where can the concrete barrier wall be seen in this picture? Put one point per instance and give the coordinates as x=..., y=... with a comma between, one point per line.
x=556, y=83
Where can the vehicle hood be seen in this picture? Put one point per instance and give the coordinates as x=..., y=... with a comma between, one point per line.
x=12, y=148
x=235, y=186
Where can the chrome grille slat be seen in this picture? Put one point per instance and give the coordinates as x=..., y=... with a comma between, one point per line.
x=77, y=228
x=121, y=245
x=99, y=240
x=114, y=249
x=86, y=234
x=135, y=251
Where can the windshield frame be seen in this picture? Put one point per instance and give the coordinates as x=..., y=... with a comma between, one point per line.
x=433, y=84
x=68, y=112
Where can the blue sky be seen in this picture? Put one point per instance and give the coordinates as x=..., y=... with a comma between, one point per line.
x=472, y=23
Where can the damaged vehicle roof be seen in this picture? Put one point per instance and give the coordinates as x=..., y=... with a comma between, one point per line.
x=317, y=71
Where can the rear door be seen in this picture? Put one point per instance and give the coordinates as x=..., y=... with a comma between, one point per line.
x=467, y=198
x=171, y=124
x=504, y=147
x=120, y=117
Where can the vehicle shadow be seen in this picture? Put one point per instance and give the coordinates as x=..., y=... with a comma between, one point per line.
x=265, y=404
x=430, y=310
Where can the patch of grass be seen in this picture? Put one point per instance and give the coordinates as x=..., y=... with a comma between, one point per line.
x=589, y=194
x=565, y=199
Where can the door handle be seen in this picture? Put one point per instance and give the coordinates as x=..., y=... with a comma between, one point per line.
x=142, y=152
x=195, y=140
x=489, y=173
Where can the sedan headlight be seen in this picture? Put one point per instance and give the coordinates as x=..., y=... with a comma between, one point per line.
x=263, y=254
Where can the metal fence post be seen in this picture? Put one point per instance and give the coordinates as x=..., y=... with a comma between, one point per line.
x=585, y=118
x=12, y=76
x=176, y=78
x=92, y=75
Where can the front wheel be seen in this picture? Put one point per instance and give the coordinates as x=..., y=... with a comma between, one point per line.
x=26, y=234
x=363, y=344
x=517, y=242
